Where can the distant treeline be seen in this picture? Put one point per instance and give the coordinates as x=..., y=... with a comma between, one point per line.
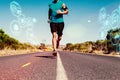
x=7, y=42
x=107, y=45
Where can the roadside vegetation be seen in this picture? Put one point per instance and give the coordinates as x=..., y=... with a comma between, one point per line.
x=99, y=47
x=7, y=42
x=11, y=46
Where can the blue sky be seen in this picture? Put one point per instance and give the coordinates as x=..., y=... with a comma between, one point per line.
x=81, y=24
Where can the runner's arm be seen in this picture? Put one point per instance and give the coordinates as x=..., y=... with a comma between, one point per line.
x=64, y=7
x=49, y=15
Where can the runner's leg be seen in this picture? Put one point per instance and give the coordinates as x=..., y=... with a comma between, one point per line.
x=54, y=36
x=60, y=28
x=58, y=40
x=53, y=28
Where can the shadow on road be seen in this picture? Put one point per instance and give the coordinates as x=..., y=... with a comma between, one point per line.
x=50, y=57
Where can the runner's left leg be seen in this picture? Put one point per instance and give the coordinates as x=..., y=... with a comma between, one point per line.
x=60, y=28
x=58, y=41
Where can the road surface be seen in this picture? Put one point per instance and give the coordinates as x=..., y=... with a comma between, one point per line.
x=66, y=66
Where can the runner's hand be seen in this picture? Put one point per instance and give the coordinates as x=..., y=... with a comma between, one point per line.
x=59, y=12
x=48, y=21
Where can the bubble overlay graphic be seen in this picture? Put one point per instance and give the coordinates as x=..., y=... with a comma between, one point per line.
x=108, y=21
x=22, y=25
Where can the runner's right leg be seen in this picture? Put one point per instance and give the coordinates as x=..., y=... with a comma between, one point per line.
x=54, y=42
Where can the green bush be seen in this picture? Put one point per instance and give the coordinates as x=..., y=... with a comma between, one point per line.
x=8, y=42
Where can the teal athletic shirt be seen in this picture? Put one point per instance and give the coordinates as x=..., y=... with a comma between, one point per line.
x=54, y=17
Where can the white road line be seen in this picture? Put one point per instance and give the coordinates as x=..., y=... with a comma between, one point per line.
x=61, y=74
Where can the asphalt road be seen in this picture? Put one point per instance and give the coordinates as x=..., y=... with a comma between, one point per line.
x=66, y=66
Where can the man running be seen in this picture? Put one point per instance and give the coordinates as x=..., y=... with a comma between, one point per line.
x=55, y=17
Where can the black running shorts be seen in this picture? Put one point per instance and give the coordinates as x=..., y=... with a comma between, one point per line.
x=57, y=27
